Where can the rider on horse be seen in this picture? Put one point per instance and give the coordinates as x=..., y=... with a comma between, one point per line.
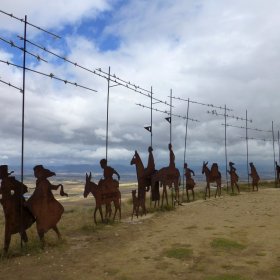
x=108, y=173
x=151, y=165
x=188, y=174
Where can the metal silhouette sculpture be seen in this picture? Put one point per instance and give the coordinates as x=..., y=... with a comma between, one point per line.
x=190, y=183
x=233, y=177
x=212, y=176
x=168, y=176
x=43, y=205
x=103, y=195
x=17, y=217
x=255, y=177
x=277, y=172
x=137, y=204
x=144, y=177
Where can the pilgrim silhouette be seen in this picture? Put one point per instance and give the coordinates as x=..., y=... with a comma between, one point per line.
x=17, y=217
x=255, y=177
x=108, y=173
x=233, y=177
x=189, y=180
x=42, y=203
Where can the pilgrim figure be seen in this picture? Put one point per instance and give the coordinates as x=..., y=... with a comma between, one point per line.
x=171, y=157
x=233, y=177
x=188, y=174
x=17, y=217
x=42, y=203
x=108, y=173
x=255, y=176
x=150, y=166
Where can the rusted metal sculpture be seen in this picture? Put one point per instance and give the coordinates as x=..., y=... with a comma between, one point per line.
x=137, y=204
x=190, y=184
x=233, y=177
x=43, y=205
x=255, y=177
x=168, y=176
x=277, y=172
x=103, y=195
x=144, y=177
x=17, y=217
x=212, y=176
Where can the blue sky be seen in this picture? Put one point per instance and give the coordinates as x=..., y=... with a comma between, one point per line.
x=208, y=51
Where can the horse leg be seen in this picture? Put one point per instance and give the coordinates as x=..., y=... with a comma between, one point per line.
x=163, y=194
x=55, y=229
x=7, y=240
x=237, y=186
x=94, y=214
x=101, y=213
x=217, y=189
x=23, y=236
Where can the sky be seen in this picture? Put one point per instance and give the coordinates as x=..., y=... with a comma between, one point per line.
x=213, y=52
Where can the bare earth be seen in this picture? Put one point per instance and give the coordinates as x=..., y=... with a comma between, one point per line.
x=162, y=245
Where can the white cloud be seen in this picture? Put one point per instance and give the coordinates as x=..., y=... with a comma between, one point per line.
x=210, y=51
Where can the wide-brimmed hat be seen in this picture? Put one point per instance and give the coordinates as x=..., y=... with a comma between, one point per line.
x=4, y=171
x=41, y=172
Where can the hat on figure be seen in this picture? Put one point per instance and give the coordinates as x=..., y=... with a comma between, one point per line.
x=4, y=171
x=41, y=172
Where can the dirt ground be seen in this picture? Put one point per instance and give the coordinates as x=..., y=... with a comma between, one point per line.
x=231, y=237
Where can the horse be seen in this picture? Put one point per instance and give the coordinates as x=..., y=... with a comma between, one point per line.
x=103, y=196
x=168, y=177
x=137, y=204
x=210, y=178
x=189, y=187
x=144, y=182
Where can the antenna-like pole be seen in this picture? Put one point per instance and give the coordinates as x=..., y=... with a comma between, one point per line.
x=186, y=136
x=151, y=116
x=247, y=148
x=107, y=119
x=170, y=116
x=226, y=144
x=274, y=155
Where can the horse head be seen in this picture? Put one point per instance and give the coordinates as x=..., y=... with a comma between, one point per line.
x=134, y=158
x=87, y=185
x=204, y=167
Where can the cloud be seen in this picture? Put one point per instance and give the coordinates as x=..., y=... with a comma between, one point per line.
x=209, y=51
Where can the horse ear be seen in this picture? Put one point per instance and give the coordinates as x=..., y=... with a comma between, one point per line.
x=89, y=175
x=206, y=162
x=86, y=175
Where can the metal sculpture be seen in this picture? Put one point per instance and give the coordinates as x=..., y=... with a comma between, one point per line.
x=277, y=171
x=212, y=176
x=168, y=176
x=190, y=184
x=233, y=177
x=255, y=177
x=43, y=205
x=17, y=217
x=103, y=195
x=137, y=203
x=144, y=177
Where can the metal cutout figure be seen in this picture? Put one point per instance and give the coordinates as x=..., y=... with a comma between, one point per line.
x=137, y=204
x=17, y=217
x=168, y=176
x=255, y=177
x=233, y=177
x=103, y=195
x=212, y=176
x=190, y=183
x=277, y=172
x=43, y=205
x=144, y=177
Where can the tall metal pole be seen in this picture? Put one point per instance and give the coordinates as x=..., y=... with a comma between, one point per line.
x=171, y=116
x=247, y=148
x=186, y=136
x=278, y=147
x=275, y=180
x=151, y=116
x=107, y=120
x=23, y=99
x=22, y=125
x=226, y=144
